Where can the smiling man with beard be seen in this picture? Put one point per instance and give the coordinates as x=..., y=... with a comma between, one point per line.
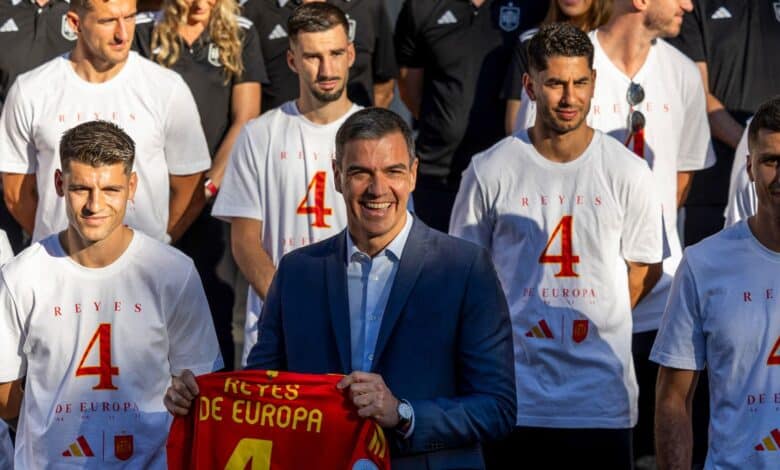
x=278, y=191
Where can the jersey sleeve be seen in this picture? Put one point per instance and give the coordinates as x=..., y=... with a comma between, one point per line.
x=696, y=152
x=17, y=149
x=641, y=240
x=680, y=342
x=252, y=57
x=383, y=62
x=408, y=49
x=518, y=65
x=471, y=215
x=240, y=195
x=742, y=200
x=186, y=150
x=13, y=363
x=192, y=339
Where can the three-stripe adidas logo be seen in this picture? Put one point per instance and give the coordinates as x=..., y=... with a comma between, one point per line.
x=541, y=330
x=447, y=18
x=277, y=33
x=80, y=448
x=9, y=26
x=770, y=442
x=378, y=444
x=721, y=14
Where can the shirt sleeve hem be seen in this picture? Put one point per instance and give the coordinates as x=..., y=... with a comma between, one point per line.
x=676, y=362
x=227, y=213
x=184, y=170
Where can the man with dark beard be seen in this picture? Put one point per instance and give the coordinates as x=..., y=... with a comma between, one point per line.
x=277, y=192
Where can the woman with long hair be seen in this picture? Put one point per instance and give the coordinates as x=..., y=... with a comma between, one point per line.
x=584, y=14
x=217, y=53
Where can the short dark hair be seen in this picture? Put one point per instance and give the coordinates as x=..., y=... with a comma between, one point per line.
x=315, y=17
x=97, y=143
x=767, y=117
x=372, y=124
x=558, y=40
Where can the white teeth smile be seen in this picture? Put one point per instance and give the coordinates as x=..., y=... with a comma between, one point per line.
x=377, y=205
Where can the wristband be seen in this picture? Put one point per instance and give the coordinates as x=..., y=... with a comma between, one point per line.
x=211, y=188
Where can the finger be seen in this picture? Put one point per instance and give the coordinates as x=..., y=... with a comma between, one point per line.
x=366, y=387
x=189, y=380
x=346, y=381
x=175, y=409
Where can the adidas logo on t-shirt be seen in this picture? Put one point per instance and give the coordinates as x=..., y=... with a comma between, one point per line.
x=9, y=26
x=447, y=18
x=721, y=14
x=541, y=330
x=278, y=33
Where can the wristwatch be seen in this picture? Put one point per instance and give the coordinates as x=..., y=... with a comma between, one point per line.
x=404, y=416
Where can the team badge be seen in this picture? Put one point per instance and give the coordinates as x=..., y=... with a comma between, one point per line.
x=123, y=446
x=65, y=30
x=352, y=28
x=579, y=331
x=214, y=55
x=776, y=5
x=509, y=19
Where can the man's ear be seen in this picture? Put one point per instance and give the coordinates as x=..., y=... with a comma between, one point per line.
x=74, y=21
x=59, y=183
x=131, y=186
x=336, y=175
x=528, y=86
x=749, y=168
x=291, y=60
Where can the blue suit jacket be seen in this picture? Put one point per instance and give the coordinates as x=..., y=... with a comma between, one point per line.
x=445, y=342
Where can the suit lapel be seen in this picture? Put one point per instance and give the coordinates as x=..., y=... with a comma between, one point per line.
x=412, y=261
x=336, y=284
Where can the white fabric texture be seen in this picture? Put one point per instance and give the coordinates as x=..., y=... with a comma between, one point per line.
x=723, y=313
x=151, y=104
x=572, y=331
x=70, y=329
x=280, y=160
x=742, y=201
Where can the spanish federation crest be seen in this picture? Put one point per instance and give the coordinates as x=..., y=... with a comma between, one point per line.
x=123, y=446
x=67, y=33
x=579, y=330
x=352, y=28
x=214, y=55
x=509, y=18
x=776, y=6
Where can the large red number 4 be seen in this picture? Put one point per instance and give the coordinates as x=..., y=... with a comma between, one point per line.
x=317, y=184
x=104, y=370
x=567, y=258
x=774, y=357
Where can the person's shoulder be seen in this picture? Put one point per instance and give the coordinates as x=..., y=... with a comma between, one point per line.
x=527, y=35
x=157, y=76
x=501, y=155
x=673, y=57
x=455, y=252
x=32, y=259
x=163, y=254
x=147, y=19
x=245, y=23
x=42, y=76
x=320, y=250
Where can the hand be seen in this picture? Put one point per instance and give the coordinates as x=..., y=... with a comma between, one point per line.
x=179, y=396
x=372, y=398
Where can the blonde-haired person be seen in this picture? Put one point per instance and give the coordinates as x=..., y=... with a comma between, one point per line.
x=217, y=53
x=587, y=15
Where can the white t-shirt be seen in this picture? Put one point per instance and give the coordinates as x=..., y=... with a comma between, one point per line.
x=724, y=313
x=151, y=104
x=677, y=138
x=581, y=219
x=280, y=163
x=742, y=202
x=98, y=347
x=6, y=448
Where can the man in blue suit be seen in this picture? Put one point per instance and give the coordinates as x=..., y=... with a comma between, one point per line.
x=416, y=318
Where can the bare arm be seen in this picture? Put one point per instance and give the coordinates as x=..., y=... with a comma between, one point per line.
x=244, y=105
x=11, y=400
x=410, y=85
x=722, y=125
x=512, y=107
x=673, y=435
x=383, y=93
x=21, y=197
x=641, y=279
x=246, y=243
x=684, y=180
x=187, y=199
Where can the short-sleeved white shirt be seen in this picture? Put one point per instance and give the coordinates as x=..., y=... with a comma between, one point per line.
x=677, y=138
x=6, y=448
x=151, y=104
x=742, y=201
x=279, y=163
x=69, y=329
x=724, y=313
x=572, y=333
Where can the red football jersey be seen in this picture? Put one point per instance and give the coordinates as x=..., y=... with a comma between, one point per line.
x=268, y=420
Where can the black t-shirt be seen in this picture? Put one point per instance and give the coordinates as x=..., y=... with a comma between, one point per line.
x=200, y=68
x=370, y=30
x=464, y=52
x=29, y=36
x=740, y=41
x=518, y=65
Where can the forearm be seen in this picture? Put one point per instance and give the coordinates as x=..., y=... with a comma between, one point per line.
x=21, y=198
x=512, y=107
x=722, y=125
x=673, y=436
x=187, y=200
x=641, y=280
x=410, y=86
x=383, y=93
x=219, y=164
x=11, y=400
x=253, y=261
x=684, y=180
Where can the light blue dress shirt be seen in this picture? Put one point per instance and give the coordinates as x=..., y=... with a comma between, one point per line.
x=369, y=281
